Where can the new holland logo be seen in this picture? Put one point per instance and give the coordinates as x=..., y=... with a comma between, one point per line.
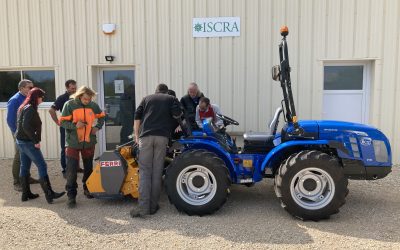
x=366, y=141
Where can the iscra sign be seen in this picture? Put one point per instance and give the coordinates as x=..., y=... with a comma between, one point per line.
x=216, y=26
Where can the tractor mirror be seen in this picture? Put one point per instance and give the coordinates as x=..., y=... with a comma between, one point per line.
x=276, y=71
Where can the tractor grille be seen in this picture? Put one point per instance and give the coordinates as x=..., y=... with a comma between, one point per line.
x=354, y=147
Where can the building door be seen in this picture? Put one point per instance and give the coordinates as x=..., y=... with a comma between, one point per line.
x=346, y=92
x=117, y=97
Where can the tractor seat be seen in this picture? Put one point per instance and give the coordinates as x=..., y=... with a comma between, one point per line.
x=258, y=142
x=257, y=136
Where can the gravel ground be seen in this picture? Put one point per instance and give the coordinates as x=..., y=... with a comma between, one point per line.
x=252, y=218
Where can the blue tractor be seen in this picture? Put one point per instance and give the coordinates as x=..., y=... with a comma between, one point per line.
x=310, y=161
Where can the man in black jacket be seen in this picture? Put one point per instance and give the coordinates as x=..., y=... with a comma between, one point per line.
x=189, y=103
x=70, y=86
x=154, y=121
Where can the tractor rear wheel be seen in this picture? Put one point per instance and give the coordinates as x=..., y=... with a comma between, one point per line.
x=311, y=185
x=197, y=182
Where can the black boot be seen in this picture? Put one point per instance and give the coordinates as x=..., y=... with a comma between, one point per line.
x=33, y=181
x=17, y=187
x=87, y=193
x=71, y=203
x=48, y=191
x=26, y=189
x=88, y=169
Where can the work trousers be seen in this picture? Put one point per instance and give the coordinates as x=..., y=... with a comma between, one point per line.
x=16, y=163
x=152, y=151
x=62, y=144
x=72, y=158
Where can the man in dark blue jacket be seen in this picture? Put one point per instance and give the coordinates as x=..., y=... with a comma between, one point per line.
x=70, y=86
x=12, y=107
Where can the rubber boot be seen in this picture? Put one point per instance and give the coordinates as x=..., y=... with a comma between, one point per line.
x=26, y=189
x=71, y=203
x=88, y=169
x=17, y=187
x=48, y=191
x=87, y=193
x=33, y=181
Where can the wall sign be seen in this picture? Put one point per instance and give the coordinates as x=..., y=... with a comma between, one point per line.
x=216, y=26
x=119, y=86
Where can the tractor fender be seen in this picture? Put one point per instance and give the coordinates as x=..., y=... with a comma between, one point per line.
x=212, y=147
x=275, y=151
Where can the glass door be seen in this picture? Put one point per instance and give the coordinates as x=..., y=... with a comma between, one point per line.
x=117, y=90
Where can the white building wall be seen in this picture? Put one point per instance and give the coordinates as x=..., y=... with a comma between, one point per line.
x=155, y=37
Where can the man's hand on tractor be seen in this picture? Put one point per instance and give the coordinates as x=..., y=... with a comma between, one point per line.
x=178, y=129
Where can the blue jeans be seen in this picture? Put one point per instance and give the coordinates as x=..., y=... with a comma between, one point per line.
x=28, y=154
x=62, y=143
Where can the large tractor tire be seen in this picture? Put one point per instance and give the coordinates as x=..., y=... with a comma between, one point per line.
x=311, y=185
x=197, y=182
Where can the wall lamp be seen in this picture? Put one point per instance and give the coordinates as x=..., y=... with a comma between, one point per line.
x=109, y=58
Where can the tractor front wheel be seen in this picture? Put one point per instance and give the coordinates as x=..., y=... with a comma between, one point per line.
x=311, y=185
x=197, y=182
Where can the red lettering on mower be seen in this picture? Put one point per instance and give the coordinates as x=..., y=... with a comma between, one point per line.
x=110, y=163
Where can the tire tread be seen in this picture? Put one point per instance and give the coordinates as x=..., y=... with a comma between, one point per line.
x=181, y=162
x=301, y=158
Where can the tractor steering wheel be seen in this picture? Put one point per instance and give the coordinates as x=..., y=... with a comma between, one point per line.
x=227, y=121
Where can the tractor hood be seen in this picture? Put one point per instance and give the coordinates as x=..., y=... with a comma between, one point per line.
x=309, y=128
x=363, y=142
x=360, y=141
x=327, y=129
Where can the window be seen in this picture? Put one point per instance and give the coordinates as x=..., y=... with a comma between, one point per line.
x=8, y=84
x=343, y=77
x=44, y=79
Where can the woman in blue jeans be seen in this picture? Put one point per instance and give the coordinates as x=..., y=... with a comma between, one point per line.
x=28, y=136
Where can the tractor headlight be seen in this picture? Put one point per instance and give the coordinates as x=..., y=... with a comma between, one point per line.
x=381, y=153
